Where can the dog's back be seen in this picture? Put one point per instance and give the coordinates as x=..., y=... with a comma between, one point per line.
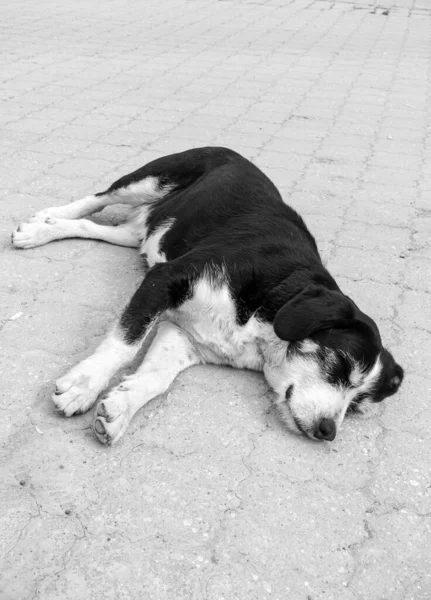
x=216, y=198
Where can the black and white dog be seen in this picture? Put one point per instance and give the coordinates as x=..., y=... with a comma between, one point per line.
x=235, y=279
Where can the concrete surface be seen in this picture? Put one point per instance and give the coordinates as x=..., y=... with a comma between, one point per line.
x=208, y=497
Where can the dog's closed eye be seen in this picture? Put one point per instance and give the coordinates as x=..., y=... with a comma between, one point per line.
x=289, y=392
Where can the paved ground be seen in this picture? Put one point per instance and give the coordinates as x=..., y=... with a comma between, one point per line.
x=208, y=497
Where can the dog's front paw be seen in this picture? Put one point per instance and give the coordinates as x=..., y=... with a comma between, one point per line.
x=112, y=416
x=77, y=391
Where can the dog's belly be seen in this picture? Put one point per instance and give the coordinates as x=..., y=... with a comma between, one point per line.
x=209, y=318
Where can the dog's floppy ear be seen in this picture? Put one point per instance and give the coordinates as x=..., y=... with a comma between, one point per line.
x=363, y=320
x=392, y=378
x=312, y=310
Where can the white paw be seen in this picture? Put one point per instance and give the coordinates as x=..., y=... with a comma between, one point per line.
x=77, y=391
x=30, y=235
x=112, y=416
x=47, y=213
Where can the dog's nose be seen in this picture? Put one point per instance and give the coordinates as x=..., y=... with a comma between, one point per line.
x=326, y=430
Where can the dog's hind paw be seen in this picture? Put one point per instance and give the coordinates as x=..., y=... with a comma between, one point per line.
x=47, y=213
x=31, y=235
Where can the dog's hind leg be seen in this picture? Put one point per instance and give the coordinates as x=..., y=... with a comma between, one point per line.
x=143, y=186
x=170, y=353
x=127, y=190
x=38, y=233
x=143, y=192
x=74, y=210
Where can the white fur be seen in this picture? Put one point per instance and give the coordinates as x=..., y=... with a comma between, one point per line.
x=73, y=210
x=209, y=318
x=37, y=233
x=312, y=399
x=170, y=353
x=151, y=245
x=308, y=346
x=146, y=190
x=78, y=390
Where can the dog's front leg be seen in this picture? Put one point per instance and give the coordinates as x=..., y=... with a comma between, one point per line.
x=77, y=391
x=164, y=287
x=170, y=353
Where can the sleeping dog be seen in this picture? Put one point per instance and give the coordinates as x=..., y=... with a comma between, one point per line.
x=235, y=278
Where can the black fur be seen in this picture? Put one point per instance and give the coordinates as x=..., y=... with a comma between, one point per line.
x=226, y=213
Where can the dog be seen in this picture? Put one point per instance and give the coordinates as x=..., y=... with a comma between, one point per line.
x=235, y=278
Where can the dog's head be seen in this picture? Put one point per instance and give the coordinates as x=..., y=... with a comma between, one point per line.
x=335, y=362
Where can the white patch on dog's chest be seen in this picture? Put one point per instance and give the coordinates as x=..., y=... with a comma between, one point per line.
x=209, y=317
